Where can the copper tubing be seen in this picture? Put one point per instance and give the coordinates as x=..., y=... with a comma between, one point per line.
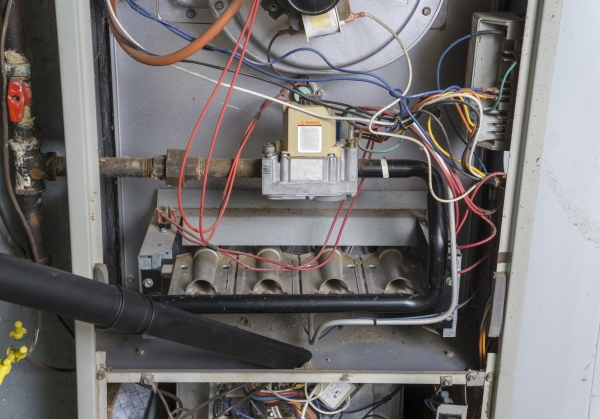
x=187, y=51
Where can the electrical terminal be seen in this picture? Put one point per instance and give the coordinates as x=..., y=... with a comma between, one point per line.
x=17, y=353
x=6, y=366
x=19, y=331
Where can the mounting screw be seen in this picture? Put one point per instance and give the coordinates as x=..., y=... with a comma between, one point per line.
x=163, y=230
x=273, y=8
x=426, y=11
x=320, y=92
x=449, y=354
x=446, y=381
x=147, y=379
x=140, y=351
x=101, y=373
x=130, y=278
x=449, y=281
x=471, y=377
x=190, y=14
x=219, y=5
x=489, y=377
x=148, y=283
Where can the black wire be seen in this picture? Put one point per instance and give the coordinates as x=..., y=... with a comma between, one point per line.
x=64, y=323
x=269, y=55
x=374, y=416
x=344, y=109
x=447, y=139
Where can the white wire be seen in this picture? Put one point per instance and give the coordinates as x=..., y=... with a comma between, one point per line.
x=308, y=397
x=269, y=390
x=289, y=105
x=252, y=92
x=395, y=35
x=480, y=118
x=116, y=21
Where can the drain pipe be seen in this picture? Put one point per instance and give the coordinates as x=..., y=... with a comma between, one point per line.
x=109, y=306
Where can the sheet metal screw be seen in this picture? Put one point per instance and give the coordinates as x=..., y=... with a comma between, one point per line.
x=273, y=8
x=471, y=377
x=101, y=374
x=147, y=379
x=140, y=351
x=446, y=382
x=190, y=14
x=449, y=281
x=489, y=377
x=426, y=11
x=130, y=278
x=449, y=354
x=148, y=283
x=219, y=5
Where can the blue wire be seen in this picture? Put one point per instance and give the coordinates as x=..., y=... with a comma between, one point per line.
x=306, y=330
x=236, y=410
x=144, y=12
x=385, y=86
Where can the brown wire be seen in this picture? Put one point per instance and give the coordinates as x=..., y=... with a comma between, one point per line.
x=39, y=364
x=188, y=50
x=6, y=162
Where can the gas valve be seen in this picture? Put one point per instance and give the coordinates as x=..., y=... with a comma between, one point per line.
x=19, y=95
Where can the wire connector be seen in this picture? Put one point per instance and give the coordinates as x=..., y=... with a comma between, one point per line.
x=19, y=331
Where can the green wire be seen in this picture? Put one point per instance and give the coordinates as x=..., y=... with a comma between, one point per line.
x=381, y=151
x=493, y=108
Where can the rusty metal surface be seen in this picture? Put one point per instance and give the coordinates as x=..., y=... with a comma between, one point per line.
x=125, y=167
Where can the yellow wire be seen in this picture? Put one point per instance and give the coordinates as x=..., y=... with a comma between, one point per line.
x=297, y=386
x=483, y=346
x=444, y=152
x=467, y=113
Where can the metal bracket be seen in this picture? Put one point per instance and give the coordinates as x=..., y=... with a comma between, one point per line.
x=147, y=379
x=101, y=273
x=446, y=380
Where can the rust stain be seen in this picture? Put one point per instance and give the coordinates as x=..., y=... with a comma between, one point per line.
x=33, y=220
x=38, y=174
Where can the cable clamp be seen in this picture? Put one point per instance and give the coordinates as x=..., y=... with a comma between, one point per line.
x=384, y=168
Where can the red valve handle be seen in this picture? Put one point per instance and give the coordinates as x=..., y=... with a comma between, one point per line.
x=19, y=95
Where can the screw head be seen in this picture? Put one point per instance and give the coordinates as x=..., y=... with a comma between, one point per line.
x=426, y=11
x=449, y=354
x=130, y=278
x=219, y=5
x=190, y=14
x=449, y=281
x=148, y=283
x=489, y=377
x=320, y=92
x=471, y=377
x=446, y=382
x=163, y=230
x=140, y=351
x=273, y=8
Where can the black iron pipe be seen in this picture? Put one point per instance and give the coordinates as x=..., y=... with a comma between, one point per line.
x=112, y=307
x=379, y=303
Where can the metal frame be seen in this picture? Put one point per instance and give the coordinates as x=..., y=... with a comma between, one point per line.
x=529, y=129
x=79, y=106
x=78, y=83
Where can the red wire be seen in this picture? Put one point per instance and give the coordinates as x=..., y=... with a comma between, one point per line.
x=247, y=28
x=473, y=266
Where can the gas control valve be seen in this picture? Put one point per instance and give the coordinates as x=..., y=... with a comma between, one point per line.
x=311, y=162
